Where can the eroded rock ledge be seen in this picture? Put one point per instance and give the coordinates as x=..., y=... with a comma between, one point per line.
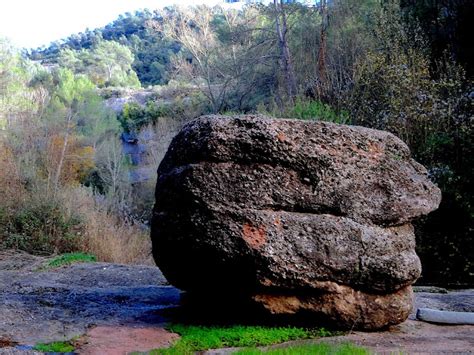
x=299, y=216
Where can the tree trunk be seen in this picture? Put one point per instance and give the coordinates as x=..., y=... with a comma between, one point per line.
x=63, y=151
x=285, y=56
x=322, y=73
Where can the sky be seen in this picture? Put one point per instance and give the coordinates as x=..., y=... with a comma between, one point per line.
x=33, y=23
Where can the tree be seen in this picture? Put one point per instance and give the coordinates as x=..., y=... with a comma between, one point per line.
x=108, y=63
x=323, y=43
x=110, y=166
x=75, y=111
x=114, y=62
x=447, y=27
x=224, y=54
x=192, y=28
x=16, y=102
x=286, y=64
x=152, y=51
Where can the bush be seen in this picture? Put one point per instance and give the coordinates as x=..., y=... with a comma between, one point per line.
x=105, y=235
x=41, y=227
x=186, y=105
x=430, y=107
x=73, y=221
x=305, y=109
x=316, y=110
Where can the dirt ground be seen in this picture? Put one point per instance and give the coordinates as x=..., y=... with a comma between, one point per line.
x=116, y=309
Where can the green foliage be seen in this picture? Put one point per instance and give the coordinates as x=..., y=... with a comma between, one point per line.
x=151, y=51
x=313, y=349
x=76, y=95
x=55, y=347
x=183, y=105
x=447, y=27
x=71, y=258
x=308, y=110
x=40, y=227
x=431, y=109
x=199, y=338
x=134, y=116
x=107, y=63
x=15, y=95
x=316, y=110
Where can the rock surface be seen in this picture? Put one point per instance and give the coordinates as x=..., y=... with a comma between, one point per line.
x=45, y=305
x=298, y=216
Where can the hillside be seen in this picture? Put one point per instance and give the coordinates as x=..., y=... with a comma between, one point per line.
x=151, y=50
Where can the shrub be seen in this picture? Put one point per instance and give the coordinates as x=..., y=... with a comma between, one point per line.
x=316, y=110
x=434, y=117
x=306, y=109
x=185, y=104
x=73, y=221
x=105, y=235
x=11, y=188
x=42, y=227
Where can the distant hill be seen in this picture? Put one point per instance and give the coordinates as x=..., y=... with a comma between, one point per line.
x=152, y=52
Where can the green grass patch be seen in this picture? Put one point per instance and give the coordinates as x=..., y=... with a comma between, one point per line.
x=198, y=338
x=70, y=258
x=316, y=110
x=56, y=347
x=313, y=349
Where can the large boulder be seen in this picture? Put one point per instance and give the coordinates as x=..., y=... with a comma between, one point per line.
x=298, y=216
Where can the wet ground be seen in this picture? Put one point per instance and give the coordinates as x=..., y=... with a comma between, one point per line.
x=120, y=309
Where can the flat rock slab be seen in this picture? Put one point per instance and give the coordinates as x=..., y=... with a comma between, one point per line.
x=454, y=301
x=109, y=340
x=59, y=304
x=445, y=317
x=414, y=337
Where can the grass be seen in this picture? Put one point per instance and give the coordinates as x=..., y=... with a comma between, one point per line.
x=309, y=349
x=198, y=338
x=316, y=110
x=70, y=258
x=56, y=347
x=304, y=109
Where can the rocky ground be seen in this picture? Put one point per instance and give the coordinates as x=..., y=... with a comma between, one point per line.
x=64, y=303
x=116, y=309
